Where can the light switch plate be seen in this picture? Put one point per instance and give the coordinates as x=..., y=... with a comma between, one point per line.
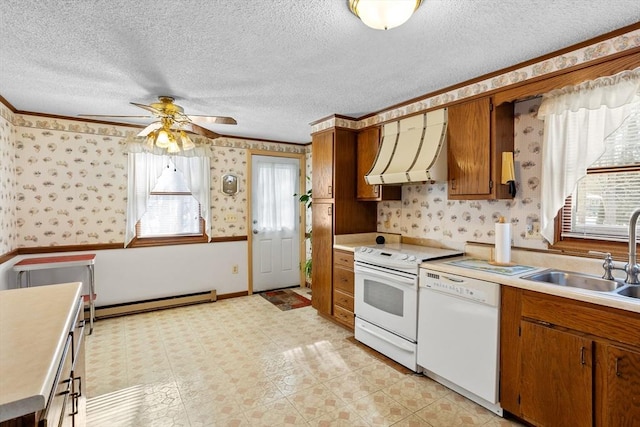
x=533, y=229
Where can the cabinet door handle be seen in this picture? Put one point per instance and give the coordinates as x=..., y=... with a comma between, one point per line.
x=330, y=190
x=376, y=189
x=453, y=184
x=618, y=373
x=582, y=360
x=329, y=211
x=79, y=379
x=75, y=404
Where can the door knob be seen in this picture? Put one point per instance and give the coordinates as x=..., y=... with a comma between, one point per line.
x=255, y=221
x=255, y=231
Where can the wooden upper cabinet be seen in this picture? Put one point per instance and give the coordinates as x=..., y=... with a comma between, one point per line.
x=368, y=144
x=477, y=134
x=322, y=165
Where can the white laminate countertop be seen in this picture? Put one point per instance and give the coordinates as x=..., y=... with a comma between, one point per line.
x=594, y=297
x=34, y=326
x=541, y=261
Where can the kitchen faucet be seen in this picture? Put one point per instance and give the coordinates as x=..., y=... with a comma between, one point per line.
x=633, y=268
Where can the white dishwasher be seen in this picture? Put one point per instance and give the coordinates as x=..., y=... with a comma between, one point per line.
x=458, y=335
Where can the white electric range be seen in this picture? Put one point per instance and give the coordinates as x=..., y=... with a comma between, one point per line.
x=386, y=297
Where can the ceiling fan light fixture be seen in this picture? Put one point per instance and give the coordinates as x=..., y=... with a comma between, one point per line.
x=151, y=140
x=187, y=143
x=163, y=139
x=384, y=14
x=173, y=147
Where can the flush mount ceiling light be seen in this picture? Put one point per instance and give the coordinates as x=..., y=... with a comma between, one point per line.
x=384, y=14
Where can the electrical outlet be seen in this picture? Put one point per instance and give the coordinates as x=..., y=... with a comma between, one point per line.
x=230, y=217
x=234, y=269
x=533, y=229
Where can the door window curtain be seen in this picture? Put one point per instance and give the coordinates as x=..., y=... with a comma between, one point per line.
x=144, y=169
x=577, y=120
x=275, y=210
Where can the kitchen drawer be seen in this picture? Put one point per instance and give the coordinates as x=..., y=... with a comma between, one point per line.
x=343, y=258
x=343, y=300
x=344, y=316
x=343, y=279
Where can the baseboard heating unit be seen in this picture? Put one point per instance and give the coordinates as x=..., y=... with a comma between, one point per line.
x=155, y=304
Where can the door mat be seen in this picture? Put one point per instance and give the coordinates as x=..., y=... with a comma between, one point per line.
x=286, y=299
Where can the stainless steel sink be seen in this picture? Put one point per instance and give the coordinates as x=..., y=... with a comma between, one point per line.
x=630, y=291
x=575, y=280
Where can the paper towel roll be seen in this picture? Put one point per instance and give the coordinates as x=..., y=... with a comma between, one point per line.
x=503, y=242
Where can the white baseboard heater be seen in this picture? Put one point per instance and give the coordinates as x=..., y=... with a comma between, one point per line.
x=154, y=304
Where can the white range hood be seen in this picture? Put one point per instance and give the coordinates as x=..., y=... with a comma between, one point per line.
x=412, y=150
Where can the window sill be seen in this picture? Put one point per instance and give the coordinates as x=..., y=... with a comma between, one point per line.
x=581, y=247
x=167, y=241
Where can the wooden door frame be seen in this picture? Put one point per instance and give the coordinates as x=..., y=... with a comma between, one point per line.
x=302, y=215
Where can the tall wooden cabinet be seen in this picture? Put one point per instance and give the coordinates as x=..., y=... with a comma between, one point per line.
x=335, y=209
x=321, y=254
x=566, y=362
x=477, y=133
x=368, y=144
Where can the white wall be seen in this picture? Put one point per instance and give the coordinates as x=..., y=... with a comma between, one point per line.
x=127, y=275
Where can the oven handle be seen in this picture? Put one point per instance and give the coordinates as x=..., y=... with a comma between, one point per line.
x=399, y=278
x=398, y=344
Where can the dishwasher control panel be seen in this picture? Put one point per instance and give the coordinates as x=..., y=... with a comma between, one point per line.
x=463, y=287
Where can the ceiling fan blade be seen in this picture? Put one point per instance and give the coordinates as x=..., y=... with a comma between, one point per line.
x=148, y=108
x=194, y=128
x=220, y=120
x=153, y=126
x=109, y=115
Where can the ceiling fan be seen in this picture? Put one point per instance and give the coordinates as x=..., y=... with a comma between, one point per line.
x=170, y=117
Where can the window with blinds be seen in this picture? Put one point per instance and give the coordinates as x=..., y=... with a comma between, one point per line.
x=602, y=203
x=171, y=209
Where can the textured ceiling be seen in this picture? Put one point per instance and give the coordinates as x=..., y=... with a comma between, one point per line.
x=274, y=65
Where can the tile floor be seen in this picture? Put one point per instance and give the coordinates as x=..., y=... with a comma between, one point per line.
x=243, y=362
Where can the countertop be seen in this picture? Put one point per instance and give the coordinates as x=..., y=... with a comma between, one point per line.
x=541, y=261
x=34, y=326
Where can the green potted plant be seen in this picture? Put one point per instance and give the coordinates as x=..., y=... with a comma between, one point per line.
x=306, y=198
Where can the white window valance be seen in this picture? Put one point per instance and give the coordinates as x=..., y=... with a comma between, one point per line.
x=136, y=146
x=577, y=120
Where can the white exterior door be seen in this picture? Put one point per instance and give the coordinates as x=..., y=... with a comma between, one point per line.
x=275, y=222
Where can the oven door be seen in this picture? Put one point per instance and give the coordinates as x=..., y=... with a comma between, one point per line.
x=388, y=299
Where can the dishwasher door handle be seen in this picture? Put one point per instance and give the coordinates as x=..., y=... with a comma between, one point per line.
x=451, y=279
x=401, y=346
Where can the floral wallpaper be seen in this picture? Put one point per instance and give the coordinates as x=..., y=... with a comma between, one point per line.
x=70, y=181
x=8, y=184
x=586, y=54
x=425, y=212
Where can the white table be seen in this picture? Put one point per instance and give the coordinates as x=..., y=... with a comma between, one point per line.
x=42, y=263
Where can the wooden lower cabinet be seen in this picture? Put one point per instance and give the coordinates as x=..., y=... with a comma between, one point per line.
x=343, y=278
x=556, y=377
x=568, y=363
x=621, y=388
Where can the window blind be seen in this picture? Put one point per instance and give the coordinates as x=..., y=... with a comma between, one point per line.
x=602, y=203
x=171, y=208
